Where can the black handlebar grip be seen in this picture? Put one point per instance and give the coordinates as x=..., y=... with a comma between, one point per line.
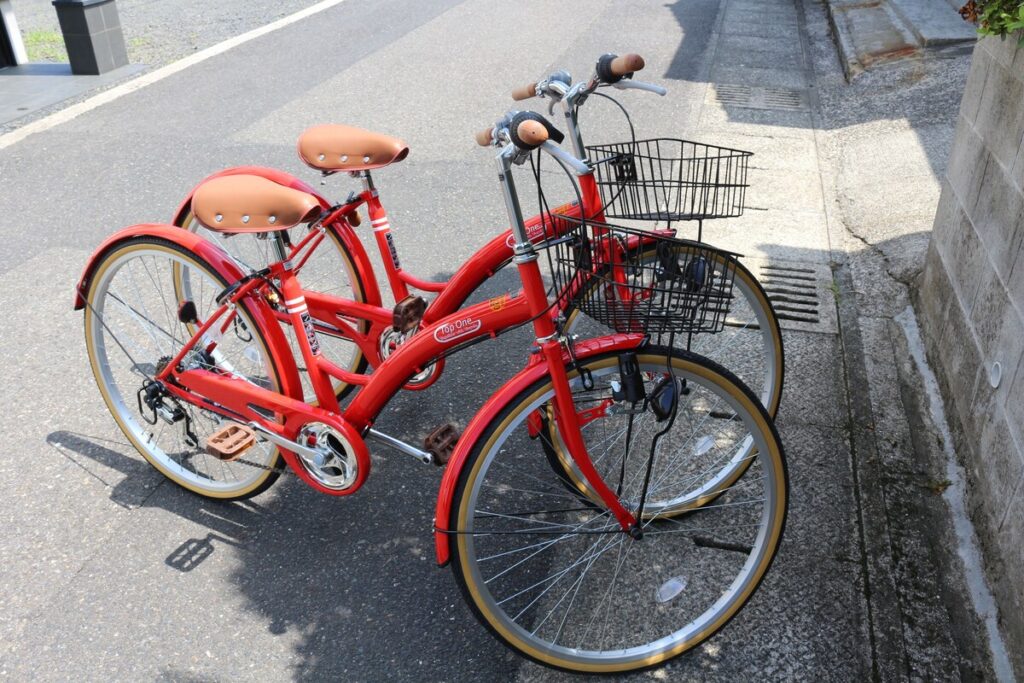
x=611, y=68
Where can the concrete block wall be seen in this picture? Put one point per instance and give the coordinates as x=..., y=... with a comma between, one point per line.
x=971, y=306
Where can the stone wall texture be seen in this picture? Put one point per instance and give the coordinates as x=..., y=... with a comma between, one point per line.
x=971, y=306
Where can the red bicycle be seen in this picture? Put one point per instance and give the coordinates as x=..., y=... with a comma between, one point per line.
x=637, y=569
x=660, y=180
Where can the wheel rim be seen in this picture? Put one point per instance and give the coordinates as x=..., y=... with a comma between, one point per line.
x=327, y=271
x=131, y=325
x=747, y=345
x=543, y=620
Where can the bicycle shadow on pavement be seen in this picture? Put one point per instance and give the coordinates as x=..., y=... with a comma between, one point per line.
x=331, y=568
x=139, y=488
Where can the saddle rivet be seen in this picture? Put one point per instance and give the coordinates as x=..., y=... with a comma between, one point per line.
x=344, y=158
x=245, y=219
x=366, y=159
x=273, y=219
x=322, y=157
x=218, y=218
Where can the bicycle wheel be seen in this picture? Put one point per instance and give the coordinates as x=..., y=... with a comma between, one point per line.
x=558, y=581
x=132, y=327
x=329, y=269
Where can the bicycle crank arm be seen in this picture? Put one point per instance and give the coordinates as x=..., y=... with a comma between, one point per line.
x=287, y=444
x=398, y=445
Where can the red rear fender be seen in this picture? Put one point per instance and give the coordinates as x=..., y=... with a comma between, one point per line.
x=226, y=267
x=210, y=252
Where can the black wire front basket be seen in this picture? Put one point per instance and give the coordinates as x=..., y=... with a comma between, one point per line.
x=665, y=179
x=636, y=280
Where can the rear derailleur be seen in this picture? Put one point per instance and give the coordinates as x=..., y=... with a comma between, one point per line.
x=156, y=403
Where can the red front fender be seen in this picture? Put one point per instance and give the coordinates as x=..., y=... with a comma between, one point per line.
x=490, y=409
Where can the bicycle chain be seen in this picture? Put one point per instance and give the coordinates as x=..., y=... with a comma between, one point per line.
x=280, y=470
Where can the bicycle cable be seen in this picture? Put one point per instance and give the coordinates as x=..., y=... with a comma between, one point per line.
x=632, y=136
x=657, y=437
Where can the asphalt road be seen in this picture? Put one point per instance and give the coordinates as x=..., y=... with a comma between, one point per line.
x=293, y=584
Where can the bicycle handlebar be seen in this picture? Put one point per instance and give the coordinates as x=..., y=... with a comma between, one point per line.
x=614, y=70
x=578, y=167
x=640, y=85
x=485, y=138
x=526, y=131
x=525, y=92
x=611, y=68
x=530, y=134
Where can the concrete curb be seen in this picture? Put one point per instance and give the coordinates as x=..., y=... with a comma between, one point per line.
x=871, y=33
x=885, y=618
x=967, y=626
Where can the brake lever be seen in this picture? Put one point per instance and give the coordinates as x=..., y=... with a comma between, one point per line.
x=578, y=166
x=628, y=83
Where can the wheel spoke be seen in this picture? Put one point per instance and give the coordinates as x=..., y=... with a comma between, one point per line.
x=134, y=307
x=581, y=599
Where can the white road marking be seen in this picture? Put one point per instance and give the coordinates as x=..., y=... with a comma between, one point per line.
x=98, y=100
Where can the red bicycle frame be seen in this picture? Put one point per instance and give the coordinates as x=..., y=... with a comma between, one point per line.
x=238, y=399
x=339, y=316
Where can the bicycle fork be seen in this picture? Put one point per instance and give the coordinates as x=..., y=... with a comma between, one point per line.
x=550, y=347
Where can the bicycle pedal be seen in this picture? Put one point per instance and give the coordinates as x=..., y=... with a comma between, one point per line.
x=440, y=443
x=229, y=442
x=408, y=313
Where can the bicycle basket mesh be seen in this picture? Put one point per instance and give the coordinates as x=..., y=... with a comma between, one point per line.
x=640, y=281
x=665, y=179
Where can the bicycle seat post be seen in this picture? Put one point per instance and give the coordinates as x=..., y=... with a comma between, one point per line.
x=278, y=243
x=367, y=182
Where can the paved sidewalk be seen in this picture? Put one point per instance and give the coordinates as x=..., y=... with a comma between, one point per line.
x=299, y=586
x=159, y=32
x=29, y=89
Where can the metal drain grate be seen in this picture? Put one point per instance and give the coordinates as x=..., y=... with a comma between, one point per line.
x=800, y=292
x=754, y=97
x=792, y=292
x=783, y=99
x=738, y=95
